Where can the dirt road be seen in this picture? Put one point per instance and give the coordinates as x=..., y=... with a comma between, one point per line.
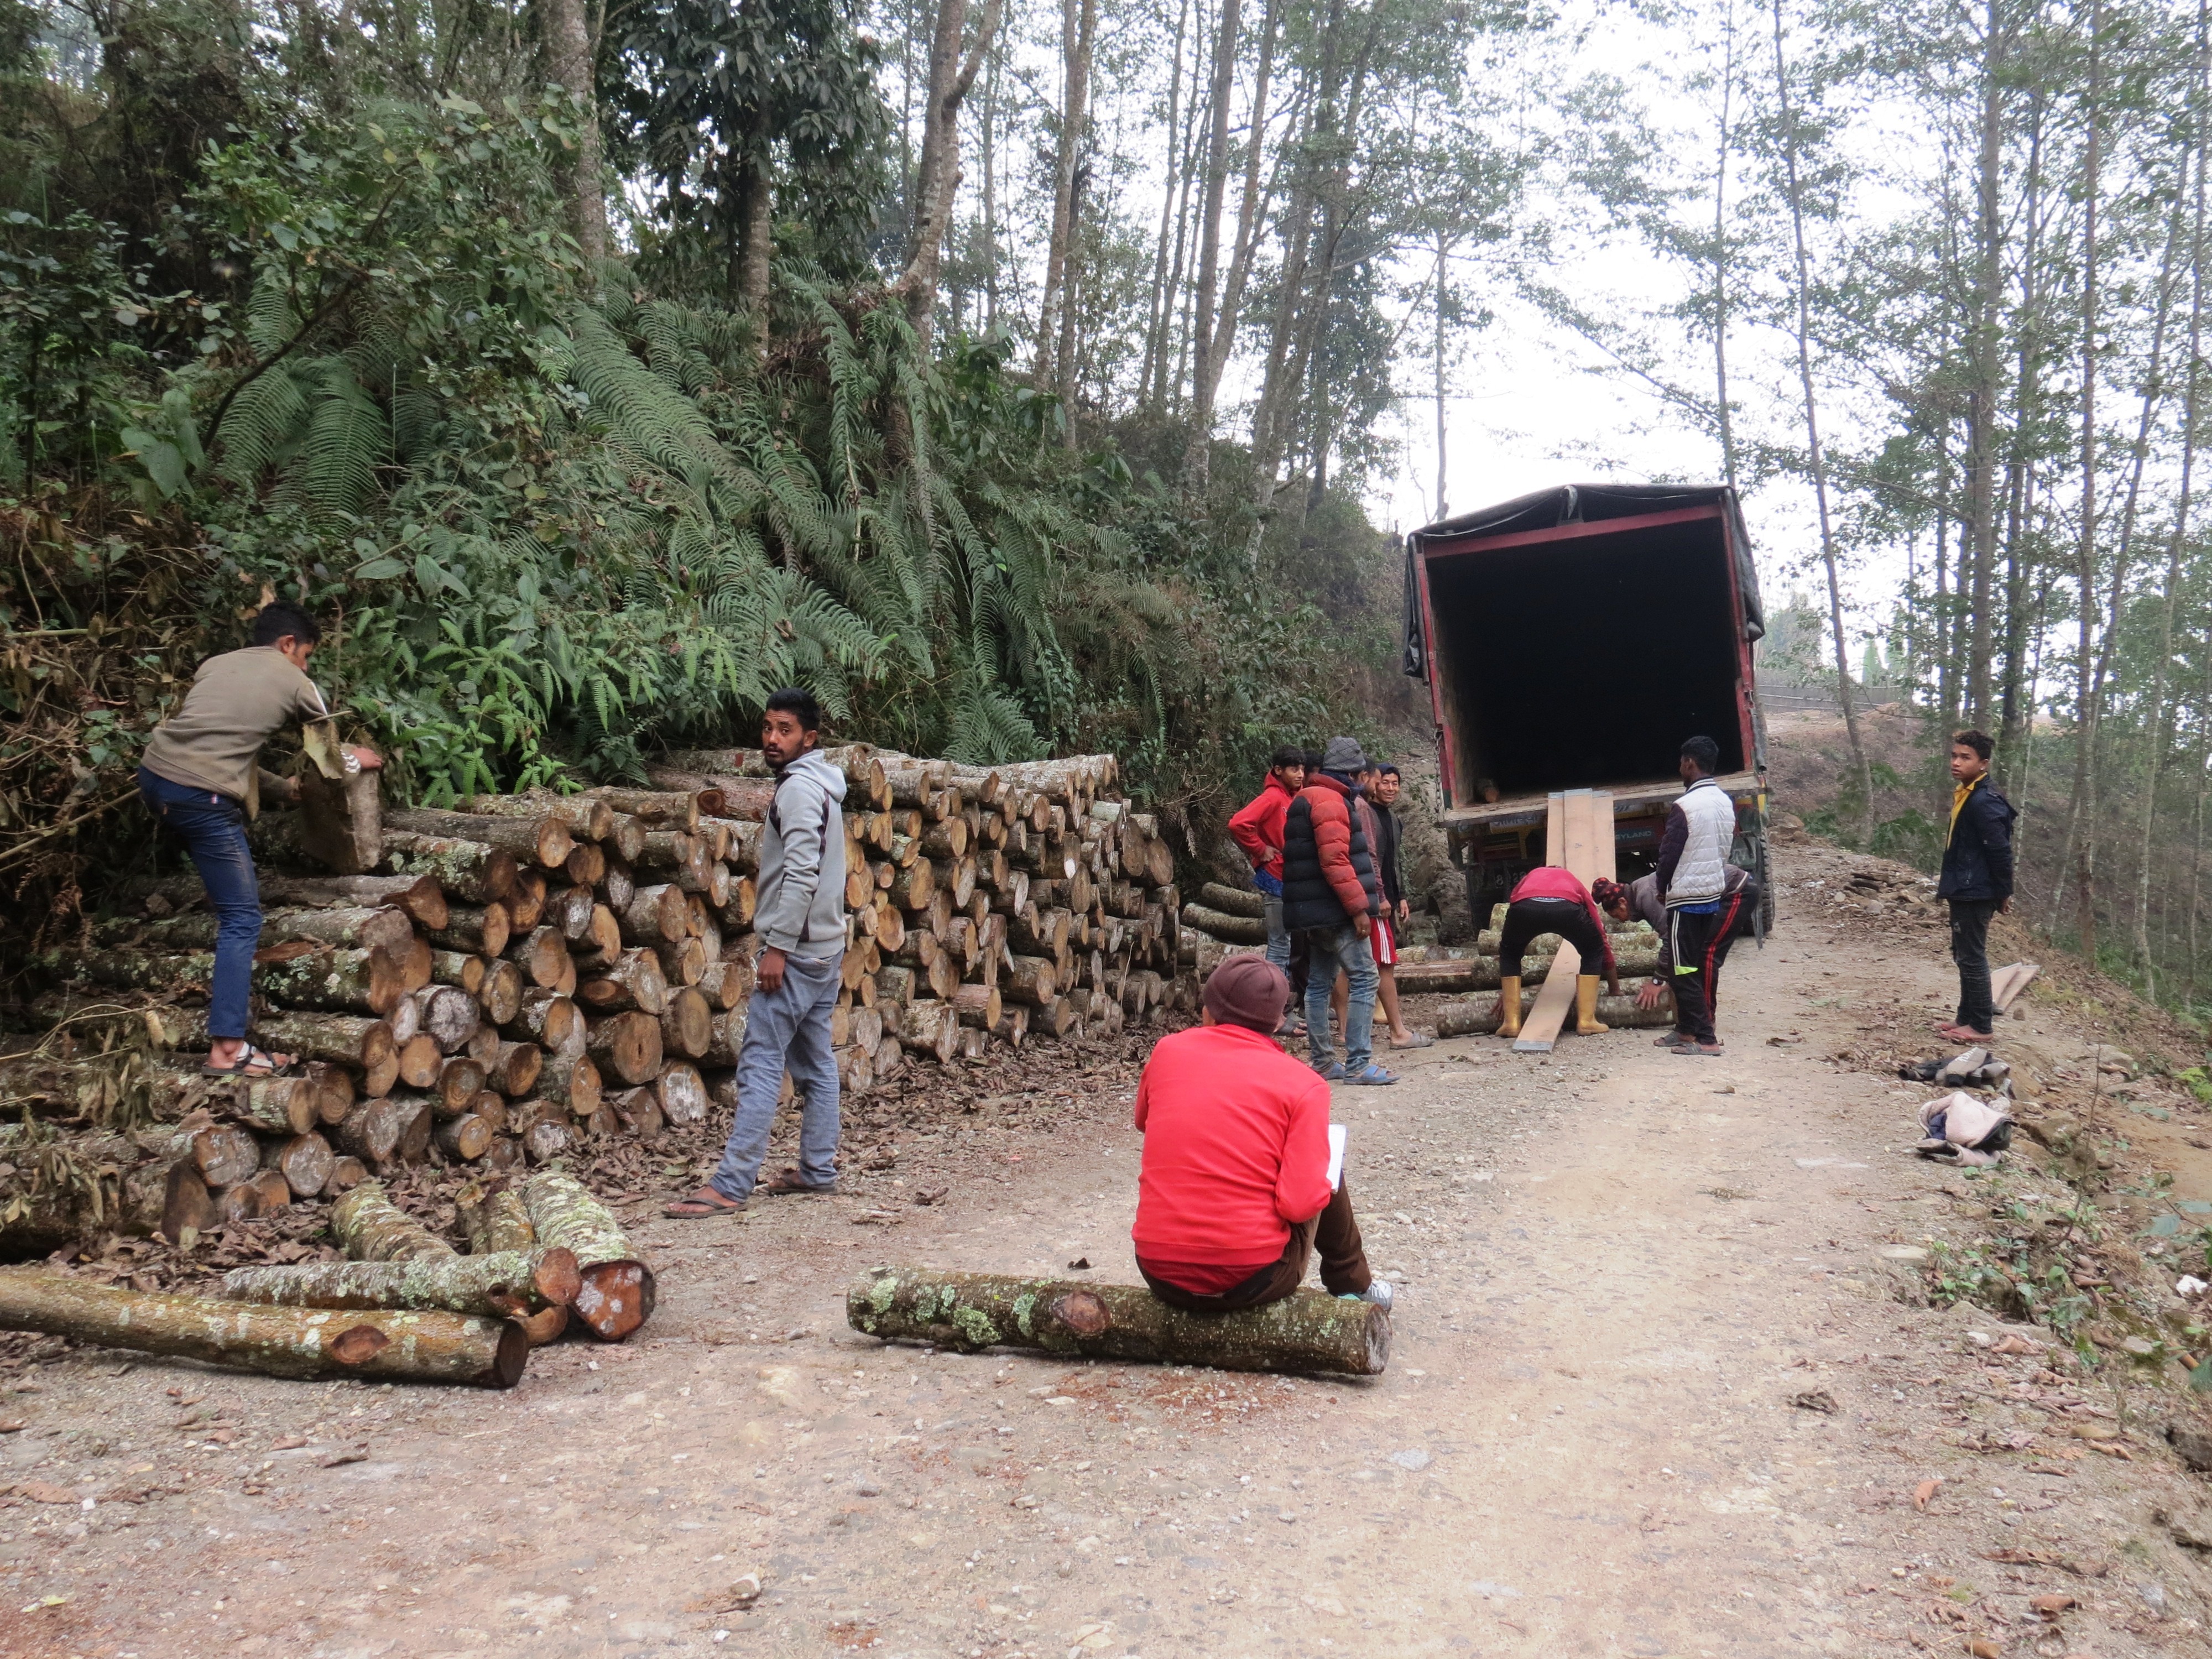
x=1653, y=1393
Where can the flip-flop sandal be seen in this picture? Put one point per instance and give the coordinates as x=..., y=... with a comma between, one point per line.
x=1419, y=1040
x=788, y=1182
x=251, y=1062
x=702, y=1204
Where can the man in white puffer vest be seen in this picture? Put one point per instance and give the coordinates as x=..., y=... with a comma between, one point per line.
x=1692, y=872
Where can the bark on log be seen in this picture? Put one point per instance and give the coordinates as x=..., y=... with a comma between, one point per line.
x=222, y=1154
x=307, y=1342
x=343, y=1039
x=465, y=1139
x=571, y=1082
x=1235, y=901
x=687, y=1026
x=495, y=1222
x=586, y=818
x=1029, y=980
x=633, y=982
x=626, y=1046
x=654, y=915
x=682, y=1093
x=466, y=870
x=459, y=969
x=360, y=927
x=479, y=930
x=346, y=1174
x=548, y=1019
x=492, y=1287
x=929, y=1028
x=419, y=896
x=617, y=1294
x=540, y=839
x=459, y=1080
x=979, y=1006
x=1310, y=1332
x=547, y=1139
x=369, y=1227
x=1230, y=929
x=514, y=1068
x=275, y=1105
x=678, y=809
x=542, y=956
x=1478, y=1015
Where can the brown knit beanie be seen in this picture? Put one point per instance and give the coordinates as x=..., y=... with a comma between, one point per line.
x=1248, y=991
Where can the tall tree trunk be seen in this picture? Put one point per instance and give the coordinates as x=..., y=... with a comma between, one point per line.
x=2191, y=403
x=1174, y=331
x=1073, y=96
x=567, y=44
x=755, y=242
x=1815, y=462
x=2019, y=701
x=1216, y=182
x=991, y=189
x=1156, y=319
x=938, y=177
x=1072, y=270
x=1986, y=323
x=1444, y=251
x=2078, y=829
x=1720, y=147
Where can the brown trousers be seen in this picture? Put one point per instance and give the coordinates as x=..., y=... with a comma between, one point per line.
x=1334, y=1233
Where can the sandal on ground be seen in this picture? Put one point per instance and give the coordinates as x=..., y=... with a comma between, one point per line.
x=790, y=1181
x=251, y=1062
x=1413, y=1040
x=1671, y=1040
x=1699, y=1051
x=1373, y=1076
x=703, y=1203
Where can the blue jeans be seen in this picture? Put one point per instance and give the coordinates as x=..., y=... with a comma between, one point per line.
x=785, y=1029
x=1278, y=937
x=214, y=830
x=1333, y=948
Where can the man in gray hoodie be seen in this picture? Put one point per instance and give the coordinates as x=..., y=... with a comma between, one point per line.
x=801, y=922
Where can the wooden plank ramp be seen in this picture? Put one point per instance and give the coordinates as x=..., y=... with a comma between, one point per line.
x=1578, y=834
x=2009, y=981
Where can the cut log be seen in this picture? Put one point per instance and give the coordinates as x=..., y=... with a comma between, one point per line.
x=514, y=1067
x=1231, y=929
x=466, y=870
x=638, y=1113
x=304, y=1161
x=677, y=809
x=548, y=1019
x=571, y=1082
x=1310, y=1332
x=340, y=980
x=633, y=981
x=682, y=1093
x=654, y=915
x=459, y=969
x=491, y=1107
x=346, y=1174
x=626, y=1046
x=221, y=1154
x=187, y=1208
x=1029, y=980
x=499, y=996
x=334, y=1090
x=479, y=930
x=586, y=863
x=369, y=1227
x=495, y=1222
x=465, y=1139
x=586, y=817
x=548, y=1139
x=687, y=1026
x=527, y=902
x=928, y=1027
x=360, y=927
x=569, y=908
x=978, y=1006
x=343, y=1039
x=420, y=1060
x=617, y=1294
x=449, y=1015
x=309, y=1342
x=459, y=1080
x=1478, y=1015
x=372, y=1132
x=275, y=1105
x=1013, y=1026
x=542, y=956
x=419, y=896
x=493, y=1285
x=541, y=840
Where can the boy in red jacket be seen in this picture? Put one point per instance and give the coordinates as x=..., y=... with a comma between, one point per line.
x=1258, y=829
x=1233, y=1193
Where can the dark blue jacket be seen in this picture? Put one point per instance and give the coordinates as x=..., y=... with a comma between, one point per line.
x=1978, y=859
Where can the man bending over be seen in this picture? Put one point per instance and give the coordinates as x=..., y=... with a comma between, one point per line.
x=1233, y=1195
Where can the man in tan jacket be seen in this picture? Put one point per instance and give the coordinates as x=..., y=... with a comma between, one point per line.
x=201, y=775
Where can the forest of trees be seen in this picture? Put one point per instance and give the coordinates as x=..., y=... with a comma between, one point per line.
x=1015, y=374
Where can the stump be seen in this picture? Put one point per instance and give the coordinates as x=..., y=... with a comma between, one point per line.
x=1310, y=1331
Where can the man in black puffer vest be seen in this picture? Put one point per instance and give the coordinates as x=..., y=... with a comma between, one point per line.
x=1331, y=895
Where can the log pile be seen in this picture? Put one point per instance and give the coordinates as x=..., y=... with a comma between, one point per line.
x=528, y=975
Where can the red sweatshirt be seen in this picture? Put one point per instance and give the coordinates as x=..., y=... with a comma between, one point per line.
x=1556, y=881
x=1236, y=1149
x=1258, y=827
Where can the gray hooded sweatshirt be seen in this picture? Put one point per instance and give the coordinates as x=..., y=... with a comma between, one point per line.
x=801, y=911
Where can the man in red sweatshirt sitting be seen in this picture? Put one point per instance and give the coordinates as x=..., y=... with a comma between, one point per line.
x=1550, y=899
x=1258, y=830
x=1233, y=1195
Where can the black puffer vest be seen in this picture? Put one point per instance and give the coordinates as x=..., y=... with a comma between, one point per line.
x=1309, y=899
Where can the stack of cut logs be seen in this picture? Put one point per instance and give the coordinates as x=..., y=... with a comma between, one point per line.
x=535, y=971
x=1224, y=919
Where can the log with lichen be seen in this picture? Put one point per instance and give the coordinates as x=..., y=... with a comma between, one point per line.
x=617, y=1292
x=369, y=1227
x=281, y=1342
x=1475, y=1015
x=494, y=1286
x=1309, y=1332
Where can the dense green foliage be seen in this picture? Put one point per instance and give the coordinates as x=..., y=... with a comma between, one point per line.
x=557, y=512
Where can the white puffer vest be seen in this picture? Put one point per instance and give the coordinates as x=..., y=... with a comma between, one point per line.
x=1701, y=874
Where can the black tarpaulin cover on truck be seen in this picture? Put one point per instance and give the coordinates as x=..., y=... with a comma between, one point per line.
x=1545, y=509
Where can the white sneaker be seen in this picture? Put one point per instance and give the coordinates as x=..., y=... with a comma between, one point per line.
x=1380, y=1293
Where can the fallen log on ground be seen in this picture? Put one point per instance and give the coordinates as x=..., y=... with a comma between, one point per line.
x=1478, y=1015
x=1235, y=901
x=426, y=1348
x=617, y=1294
x=1309, y=1332
x=494, y=1287
x=1219, y=924
x=369, y=1227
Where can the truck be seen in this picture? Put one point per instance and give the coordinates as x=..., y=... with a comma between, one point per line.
x=1572, y=639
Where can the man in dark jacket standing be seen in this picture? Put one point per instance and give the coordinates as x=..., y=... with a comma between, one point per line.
x=1331, y=894
x=1977, y=880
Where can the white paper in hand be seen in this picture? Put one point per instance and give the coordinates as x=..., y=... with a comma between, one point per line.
x=1336, y=1134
